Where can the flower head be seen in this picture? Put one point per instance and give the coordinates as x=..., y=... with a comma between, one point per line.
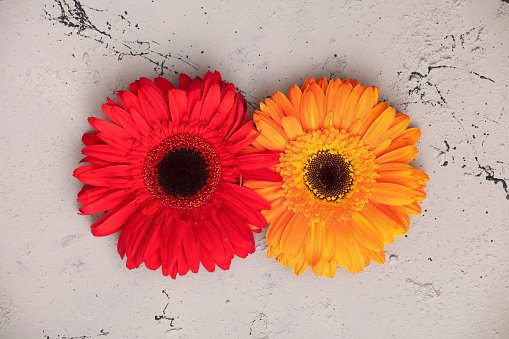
x=337, y=175
x=167, y=171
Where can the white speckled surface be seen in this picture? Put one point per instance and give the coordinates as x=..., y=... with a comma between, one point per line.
x=445, y=63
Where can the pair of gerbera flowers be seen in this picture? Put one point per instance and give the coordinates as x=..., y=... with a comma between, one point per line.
x=186, y=179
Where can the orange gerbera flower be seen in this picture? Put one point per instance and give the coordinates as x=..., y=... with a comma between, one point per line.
x=336, y=175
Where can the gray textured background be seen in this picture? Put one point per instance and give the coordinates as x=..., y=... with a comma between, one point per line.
x=445, y=63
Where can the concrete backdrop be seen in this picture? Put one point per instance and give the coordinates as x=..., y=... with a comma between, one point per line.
x=443, y=62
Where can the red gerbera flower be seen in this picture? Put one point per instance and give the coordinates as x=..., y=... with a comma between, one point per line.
x=167, y=173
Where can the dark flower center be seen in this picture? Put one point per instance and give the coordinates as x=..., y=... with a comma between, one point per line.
x=182, y=172
x=329, y=175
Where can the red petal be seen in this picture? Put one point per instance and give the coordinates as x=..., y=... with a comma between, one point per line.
x=223, y=237
x=97, y=161
x=114, y=220
x=241, y=133
x=106, y=152
x=203, y=236
x=105, y=176
x=153, y=262
x=237, y=230
x=90, y=139
x=111, y=130
x=193, y=96
x=130, y=101
x=176, y=99
x=191, y=248
x=157, y=102
x=235, y=148
x=207, y=260
x=143, y=125
x=134, y=87
x=105, y=203
x=135, y=237
x=90, y=193
x=80, y=170
x=86, y=188
x=217, y=249
x=227, y=100
x=210, y=103
x=205, y=84
x=126, y=232
x=240, y=113
x=112, y=103
x=184, y=81
x=147, y=82
x=150, y=113
x=182, y=264
x=258, y=160
x=164, y=85
x=121, y=118
x=171, y=246
x=251, y=216
x=249, y=197
x=263, y=174
x=150, y=243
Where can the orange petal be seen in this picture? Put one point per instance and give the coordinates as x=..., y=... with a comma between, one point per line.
x=380, y=149
x=327, y=121
x=314, y=244
x=402, y=155
x=277, y=227
x=329, y=250
x=285, y=104
x=412, y=209
x=391, y=194
x=309, y=112
x=307, y=83
x=412, y=134
x=378, y=128
x=332, y=91
x=322, y=82
x=272, y=136
x=396, y=177
x=376, y=256
x=260, y=184
x=320, y=100
x=372, y=115
x=275, y=112
x=340, y=101
x=325, y=269
x=344, y=251
x=404, y=169
x=355, y=127
x=356, y=260
x=398, y=142
x=349, y=113
x=292, y=127
x=399, y=124
x=345, y=228
x=295, y=233
x=389, y=217
x=300, y=266
x=366, y=233
x=295, y=96
x=366, y=103
x=385, y=230
x=277, y=209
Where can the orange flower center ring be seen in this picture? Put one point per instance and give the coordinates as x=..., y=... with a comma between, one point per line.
x=327, y=174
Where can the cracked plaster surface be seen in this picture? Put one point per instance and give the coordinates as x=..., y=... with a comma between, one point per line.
x=445, y=63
